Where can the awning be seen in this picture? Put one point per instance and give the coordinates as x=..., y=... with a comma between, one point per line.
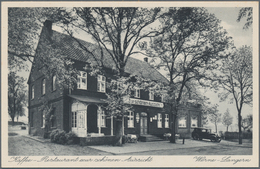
x=87, y=99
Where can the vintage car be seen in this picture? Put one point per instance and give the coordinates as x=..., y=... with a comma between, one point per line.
x=203, y=133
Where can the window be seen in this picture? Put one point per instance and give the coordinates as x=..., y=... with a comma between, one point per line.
x=182, y=122
x=82, y=80
x=43, y=86
x=130, y=120
x=151, y=95
x=32, y=92
x=81, y=119
x=194, y=121
x=137, y=93
x=54, y=83
x=101, y=120
x=166, y=124
x=43, y=120
x=74, y=119
x=159, y=120
x=101, y=83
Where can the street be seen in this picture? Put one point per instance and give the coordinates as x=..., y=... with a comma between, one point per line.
x=20, y=143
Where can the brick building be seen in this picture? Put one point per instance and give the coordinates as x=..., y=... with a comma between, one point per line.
x=80, y=110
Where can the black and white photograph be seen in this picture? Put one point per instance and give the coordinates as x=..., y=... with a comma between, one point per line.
x=130, y=84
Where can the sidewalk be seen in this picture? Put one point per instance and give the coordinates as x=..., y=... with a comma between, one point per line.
x=24, y=133
x=145, y=146
x=162, y=145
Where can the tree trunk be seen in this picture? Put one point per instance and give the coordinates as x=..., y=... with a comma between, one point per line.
x=174, y=119
x=17, y=118
x=46, y=129
x=12, y=120
x=239, y=127
x=216, y=127
x=118, y=132
x=227, y=128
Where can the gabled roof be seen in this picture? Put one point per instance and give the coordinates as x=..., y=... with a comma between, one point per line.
x=72, y=50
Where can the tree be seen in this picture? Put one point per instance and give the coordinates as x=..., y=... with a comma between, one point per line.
x=16, y=95
x=247, y=123
x=188, y=51
x=214, y=116
x=24, y=27
x=24, y=30
x=227, y=119
x=236, y=80
x=115, y=32
x=20, y=111
x=248, y=14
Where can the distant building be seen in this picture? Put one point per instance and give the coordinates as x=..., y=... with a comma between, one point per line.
x=80, y=110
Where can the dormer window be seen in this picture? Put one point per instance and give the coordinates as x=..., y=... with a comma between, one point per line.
x=101, y=83
x=162, y=98
x=137, y=93
x=82, y=80
x=151, y=95
x=43, y=86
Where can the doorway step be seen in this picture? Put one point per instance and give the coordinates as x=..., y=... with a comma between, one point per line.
x=149, y=138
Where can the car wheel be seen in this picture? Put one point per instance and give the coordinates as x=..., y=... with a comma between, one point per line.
x=212, y=139
x=195, y=137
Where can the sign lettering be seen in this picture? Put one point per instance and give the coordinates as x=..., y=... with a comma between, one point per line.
x=143, y=102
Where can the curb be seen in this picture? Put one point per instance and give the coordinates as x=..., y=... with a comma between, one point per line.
x=36, y=139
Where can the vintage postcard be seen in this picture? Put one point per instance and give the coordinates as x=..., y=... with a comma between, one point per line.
x=129, y=84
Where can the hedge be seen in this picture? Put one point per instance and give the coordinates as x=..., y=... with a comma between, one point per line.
x=234, y=135
x=61, y=137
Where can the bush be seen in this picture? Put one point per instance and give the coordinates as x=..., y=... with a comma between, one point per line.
x=61, y=137
x=235, y=135
x=247, y=135
x=70, y=137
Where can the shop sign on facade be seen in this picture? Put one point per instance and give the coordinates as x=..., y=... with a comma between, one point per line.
x=143, y=102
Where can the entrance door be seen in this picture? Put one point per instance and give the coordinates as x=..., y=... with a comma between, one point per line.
x=79, y=119
x=79, y=123
x=143, y=124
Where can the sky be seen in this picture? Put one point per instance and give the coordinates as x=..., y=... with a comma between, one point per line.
x=228, y=17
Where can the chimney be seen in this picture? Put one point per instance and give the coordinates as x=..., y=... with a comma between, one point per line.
x=48, y=25
x=146, y=59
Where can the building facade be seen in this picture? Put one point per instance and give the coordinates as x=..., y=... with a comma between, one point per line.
x=82, y=111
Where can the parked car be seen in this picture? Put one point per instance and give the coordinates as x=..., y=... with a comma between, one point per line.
x=203, y=133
